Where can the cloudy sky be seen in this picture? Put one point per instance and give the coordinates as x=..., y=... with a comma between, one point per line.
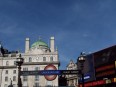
x=77, y=25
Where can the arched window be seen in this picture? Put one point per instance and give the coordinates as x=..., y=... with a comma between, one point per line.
x=30, y=59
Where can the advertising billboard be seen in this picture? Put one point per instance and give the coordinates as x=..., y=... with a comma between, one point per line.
x=104, y=62
x=104, y=56
x=105, y=71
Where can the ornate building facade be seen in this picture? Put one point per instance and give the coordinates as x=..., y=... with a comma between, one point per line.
x=72, y=80
x=36, y=57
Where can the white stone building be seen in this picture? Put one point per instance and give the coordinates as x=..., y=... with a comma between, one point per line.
x=72, y=80
x=36, y=57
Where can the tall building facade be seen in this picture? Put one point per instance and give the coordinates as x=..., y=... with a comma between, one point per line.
x=36, y=57
x=72, y=80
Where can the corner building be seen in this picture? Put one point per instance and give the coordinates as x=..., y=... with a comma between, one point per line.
x=72, y=80
x=36, y=57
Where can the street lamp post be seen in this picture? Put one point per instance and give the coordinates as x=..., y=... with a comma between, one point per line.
x=81, y=60
x=19, y=62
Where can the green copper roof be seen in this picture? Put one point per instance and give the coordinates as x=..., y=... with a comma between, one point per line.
x=39, y=43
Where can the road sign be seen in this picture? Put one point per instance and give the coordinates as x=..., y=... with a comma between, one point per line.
x=50, y=72
x=52, y=76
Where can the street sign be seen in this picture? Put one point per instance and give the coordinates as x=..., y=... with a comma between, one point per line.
x=67, y=72
x=49, y=72
x=26, y=73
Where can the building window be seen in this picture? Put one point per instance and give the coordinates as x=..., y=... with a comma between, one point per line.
x=14, y=62
x=14, y=71
x=36, y=85
x=14, y=78
x=30, y=59
x=5, y=85
x=51, y=58
x=24, y=78
x=44, y=58
x=36, y=68
x=7, y=63
x=37, y=78
x=6, y=72
x=25, y=69
x=6, y=78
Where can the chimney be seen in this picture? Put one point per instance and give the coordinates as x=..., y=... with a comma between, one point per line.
x=52, y=44
x=27, y=41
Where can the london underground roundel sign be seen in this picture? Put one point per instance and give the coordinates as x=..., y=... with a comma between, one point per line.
x=50, y=77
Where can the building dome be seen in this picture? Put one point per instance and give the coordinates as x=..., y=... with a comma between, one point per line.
x=38, y=44
x=39, y=47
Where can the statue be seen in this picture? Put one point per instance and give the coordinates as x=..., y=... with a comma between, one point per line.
x=10, y=84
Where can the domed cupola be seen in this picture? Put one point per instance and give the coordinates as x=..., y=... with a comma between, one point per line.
x=39, y=47
x=39, y=44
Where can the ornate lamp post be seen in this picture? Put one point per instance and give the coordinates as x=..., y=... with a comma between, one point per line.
x=19, y=62
x=81, y=60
